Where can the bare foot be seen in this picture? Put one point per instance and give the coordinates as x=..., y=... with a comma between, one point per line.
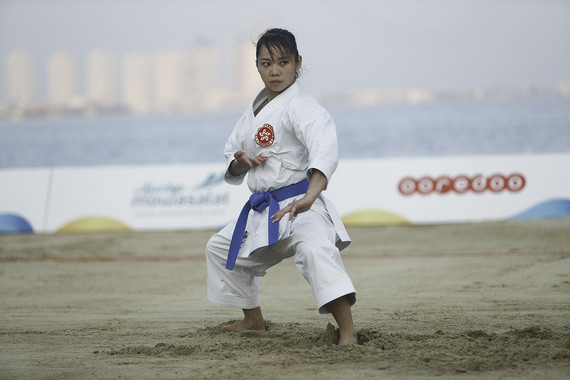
x=348, y=339
x=253, y=320
x=244, y=325
x=340, y=309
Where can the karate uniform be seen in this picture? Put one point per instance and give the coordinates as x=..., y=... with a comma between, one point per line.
x=296, y=135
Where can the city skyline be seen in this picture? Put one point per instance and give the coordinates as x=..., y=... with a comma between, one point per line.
x=346, y=46
x=140, y=82
x=183, y=81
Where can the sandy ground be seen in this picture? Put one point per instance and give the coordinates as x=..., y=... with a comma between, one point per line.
x=485, y=300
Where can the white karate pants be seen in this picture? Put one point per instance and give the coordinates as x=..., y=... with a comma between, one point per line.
x=311, y=242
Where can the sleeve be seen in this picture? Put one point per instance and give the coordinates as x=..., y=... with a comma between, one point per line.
x=317, y=131
x=234, y=143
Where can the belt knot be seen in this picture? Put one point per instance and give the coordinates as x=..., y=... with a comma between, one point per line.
x=259, y=202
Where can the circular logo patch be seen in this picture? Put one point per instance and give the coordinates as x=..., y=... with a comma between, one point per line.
x=265, y=135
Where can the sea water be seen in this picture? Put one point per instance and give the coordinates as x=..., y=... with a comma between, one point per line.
x=446, y=128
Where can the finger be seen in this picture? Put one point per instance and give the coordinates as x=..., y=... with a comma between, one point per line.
x=257, y=161
x=247, y=161
x=260, y=160
x=293, y=212
x=279, y=214
x=277, y=217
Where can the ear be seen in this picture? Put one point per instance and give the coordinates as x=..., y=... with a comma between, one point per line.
x=298, y=67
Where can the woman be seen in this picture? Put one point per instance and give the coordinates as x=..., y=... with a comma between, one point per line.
x=286, y=143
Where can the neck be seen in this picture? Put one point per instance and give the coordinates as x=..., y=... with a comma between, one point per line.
x=272, y=94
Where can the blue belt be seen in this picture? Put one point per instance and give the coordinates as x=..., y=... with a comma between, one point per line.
x=259, y=202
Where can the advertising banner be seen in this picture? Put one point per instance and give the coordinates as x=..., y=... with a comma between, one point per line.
x=139, y=198
x=23, y=199
x=365, y=192
x=452, y=189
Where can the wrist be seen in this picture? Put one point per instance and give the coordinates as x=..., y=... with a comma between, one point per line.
x=311, y=196
x=237, y=169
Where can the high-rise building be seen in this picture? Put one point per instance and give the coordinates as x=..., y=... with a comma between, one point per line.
x=20, y=77
x=102, y=78
x=204, y=76
x=171, y=80
x=61, y=78
x=247, y=82
x=138, y=75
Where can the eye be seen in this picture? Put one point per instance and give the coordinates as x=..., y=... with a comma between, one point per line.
x=283, y=63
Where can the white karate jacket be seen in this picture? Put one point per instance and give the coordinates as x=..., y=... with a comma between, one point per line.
x=297, y=135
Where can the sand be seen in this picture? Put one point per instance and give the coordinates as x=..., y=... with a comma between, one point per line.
x=484, y=300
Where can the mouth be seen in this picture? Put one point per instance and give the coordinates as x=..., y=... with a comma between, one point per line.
x=275, y=82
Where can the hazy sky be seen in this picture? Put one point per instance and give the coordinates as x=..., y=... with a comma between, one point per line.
x=346, y=45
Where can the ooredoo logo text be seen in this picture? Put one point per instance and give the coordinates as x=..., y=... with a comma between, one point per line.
x=462, y=184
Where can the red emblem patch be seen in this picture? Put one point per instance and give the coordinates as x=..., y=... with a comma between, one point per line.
x=265, y=135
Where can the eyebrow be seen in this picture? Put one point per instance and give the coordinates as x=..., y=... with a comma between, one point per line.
x=268, y=59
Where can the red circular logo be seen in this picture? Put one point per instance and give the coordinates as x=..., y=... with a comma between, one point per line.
x=265, y=135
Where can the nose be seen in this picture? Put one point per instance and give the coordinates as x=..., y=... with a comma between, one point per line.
x=274, y=70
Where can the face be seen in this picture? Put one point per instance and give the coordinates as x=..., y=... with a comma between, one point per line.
x=277, y=73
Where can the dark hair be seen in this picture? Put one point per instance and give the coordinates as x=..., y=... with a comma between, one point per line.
x=279, y=42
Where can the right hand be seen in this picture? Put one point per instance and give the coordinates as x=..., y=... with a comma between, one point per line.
x=243, y=162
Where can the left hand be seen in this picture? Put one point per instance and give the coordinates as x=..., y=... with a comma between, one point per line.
x=294, y=208
x=317, y=184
